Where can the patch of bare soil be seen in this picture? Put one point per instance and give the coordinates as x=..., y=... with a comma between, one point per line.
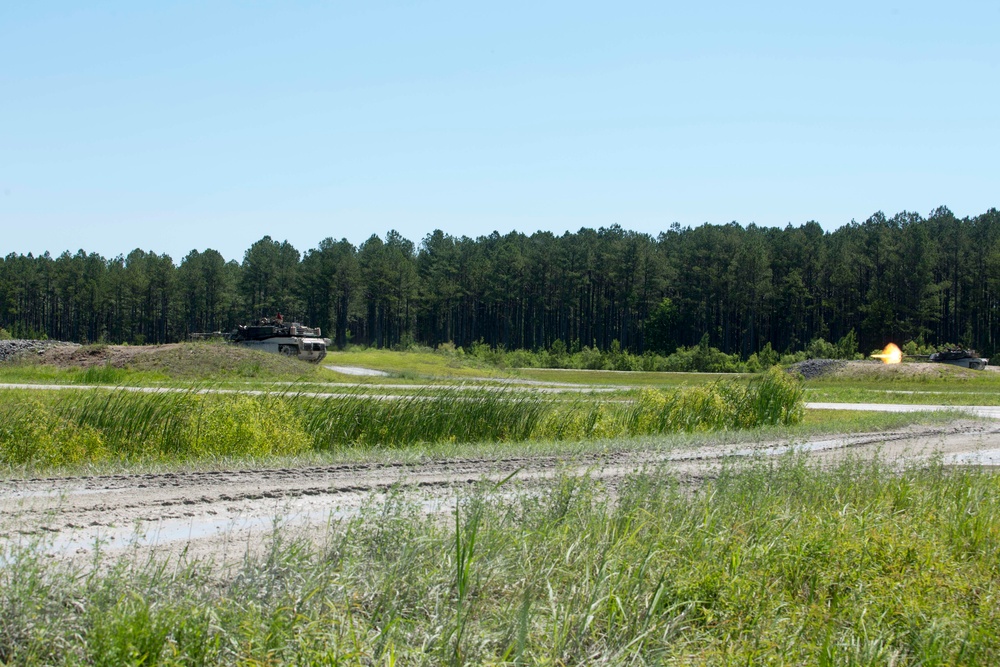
x=177, y=360
x=223, y=513
x=83, y=356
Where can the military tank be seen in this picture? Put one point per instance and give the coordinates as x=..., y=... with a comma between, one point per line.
x=959, y=357
x=293, y=339
x=274, y=335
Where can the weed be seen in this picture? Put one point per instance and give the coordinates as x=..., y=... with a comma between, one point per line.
x=245, y=426
x=32, y=433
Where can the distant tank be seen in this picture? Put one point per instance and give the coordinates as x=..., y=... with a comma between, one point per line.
x=295, y=339
x=274, y=335
x=959, y=357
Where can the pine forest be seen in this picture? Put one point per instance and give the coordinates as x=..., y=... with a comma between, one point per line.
x=935, y=279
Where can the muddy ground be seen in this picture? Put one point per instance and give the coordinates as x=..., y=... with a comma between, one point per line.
x=222, y=514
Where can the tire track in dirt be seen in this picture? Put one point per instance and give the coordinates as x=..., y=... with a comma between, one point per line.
x=206, y=513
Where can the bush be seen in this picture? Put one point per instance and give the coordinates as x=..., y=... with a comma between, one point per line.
x=847, y=346
x=770, y=399
x=521, y=359
x=590, y=359
x=820, y=349
x=31, y=433
x=698, y=358
x=919, y=347
x=245, y=426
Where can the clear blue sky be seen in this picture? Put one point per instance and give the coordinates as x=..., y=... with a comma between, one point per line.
x=178, y=125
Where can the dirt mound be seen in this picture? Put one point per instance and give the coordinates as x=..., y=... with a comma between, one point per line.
x=207, y=359
x=189, y=361
x=85, y=356
x=11, y=349
x=872, y=369
x=906, y=371
x=814, y=368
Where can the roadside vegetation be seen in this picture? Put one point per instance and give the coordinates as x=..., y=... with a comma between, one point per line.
x=66, y=428
x=772, y=562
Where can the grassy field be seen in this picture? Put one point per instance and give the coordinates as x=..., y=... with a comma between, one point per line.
x=771, y=563
x=622, y=378
x=55, y=429
x=423, y=366
x=415, y=365
x=230, y=366
x=69, y=430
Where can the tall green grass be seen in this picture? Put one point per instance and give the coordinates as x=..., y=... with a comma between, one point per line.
x=68, y=428
x=426, y=416
x=774, y=563
x=106, y=374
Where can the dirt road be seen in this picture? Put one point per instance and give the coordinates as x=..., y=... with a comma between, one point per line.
x=224, y=513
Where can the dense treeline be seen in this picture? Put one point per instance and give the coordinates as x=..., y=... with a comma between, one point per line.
x=936, y=279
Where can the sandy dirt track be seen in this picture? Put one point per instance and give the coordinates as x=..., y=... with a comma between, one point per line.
x=221, y=514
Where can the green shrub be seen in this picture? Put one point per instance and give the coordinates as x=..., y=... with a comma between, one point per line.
x=245, y=426
x=771, y=399
x=31, y=433
x=820, y=349
x=845, y=348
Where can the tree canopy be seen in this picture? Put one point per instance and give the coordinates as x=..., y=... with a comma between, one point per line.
x=905, y=277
